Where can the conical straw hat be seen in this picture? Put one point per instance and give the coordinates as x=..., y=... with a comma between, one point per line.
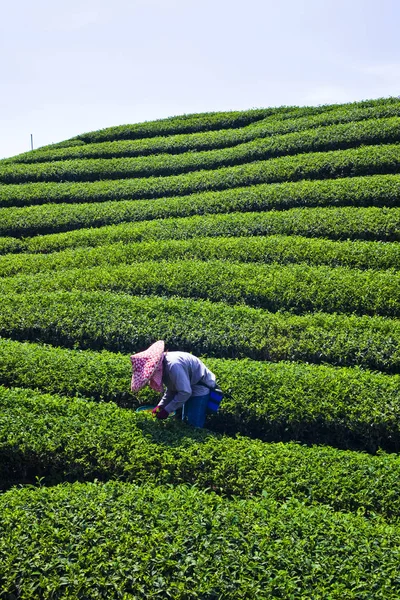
x=145, y=364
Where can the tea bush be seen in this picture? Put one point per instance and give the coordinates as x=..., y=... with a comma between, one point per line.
x=274, y=248
x=343, y=407
x=321, y=139
x=118, y=540
x=176, y=143
x=295, y=288
x=222, y=120
x=62, y=439
x=211, y=232
x=375, y=190
x=366, y=160
x=375, y=224
x=118, y=322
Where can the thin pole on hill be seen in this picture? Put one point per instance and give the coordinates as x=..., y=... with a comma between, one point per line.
x=31, y=141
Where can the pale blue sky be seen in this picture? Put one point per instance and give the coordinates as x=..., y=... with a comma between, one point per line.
x=73, y=66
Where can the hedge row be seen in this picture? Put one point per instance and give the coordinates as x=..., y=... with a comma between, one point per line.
x=345, y=407
x=214, y=121
x=335, y=137
x=10, y=245
x=178, y=143
x=295, y=288
x=104, y=376
x=344, y=223
x=117, y=540
x=375, y=190
x=117, y=322
x=57, y=439
x=274, y=248
x=101, y=376
x=188, y=124
x=366, y=160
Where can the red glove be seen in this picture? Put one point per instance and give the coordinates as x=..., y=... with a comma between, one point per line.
x=160, y=413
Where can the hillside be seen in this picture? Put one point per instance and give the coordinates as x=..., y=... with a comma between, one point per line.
x=266, y=241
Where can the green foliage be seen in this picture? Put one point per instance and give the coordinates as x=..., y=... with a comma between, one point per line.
x=189, y=123
x=222, y=120
x=320, y=139
x=120, y=541
x=295, y=288
x=366, y=160
x=289, y=209
x=345, y=407
x=221, y=138
x=380, y=224
x=10, y=245
x=102, y=376
x=121, y=323
x=376, y=190
x=274, y=248
x=62, y=439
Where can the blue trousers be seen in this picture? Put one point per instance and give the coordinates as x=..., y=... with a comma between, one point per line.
x=194, y=410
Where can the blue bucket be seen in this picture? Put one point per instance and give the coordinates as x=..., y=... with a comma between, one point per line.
x=214, y=400
x=194, y=410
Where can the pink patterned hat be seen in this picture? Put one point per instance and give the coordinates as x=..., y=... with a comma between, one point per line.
x=147, y=367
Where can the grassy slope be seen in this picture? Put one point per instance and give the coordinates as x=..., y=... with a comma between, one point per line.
x=287, y=209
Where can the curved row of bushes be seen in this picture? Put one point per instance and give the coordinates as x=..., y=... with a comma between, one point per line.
x=118, y=322
x=219, y=120
x=270, y=530
x=375, y=190
x=63, y=439
x=366, y=160
x=343, y=223
x=190, y=123
x=295, y=288
x=321, y=139
x=117, y=540
x=270, y=249
x=208, y=140
x=213, y=121
x=344, y=407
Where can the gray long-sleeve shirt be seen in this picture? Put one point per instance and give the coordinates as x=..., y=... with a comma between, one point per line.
x=184, y=375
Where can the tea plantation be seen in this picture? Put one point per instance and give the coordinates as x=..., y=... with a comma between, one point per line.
x=266, y=241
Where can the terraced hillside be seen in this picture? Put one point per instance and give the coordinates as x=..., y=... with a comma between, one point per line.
x=266, y=241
